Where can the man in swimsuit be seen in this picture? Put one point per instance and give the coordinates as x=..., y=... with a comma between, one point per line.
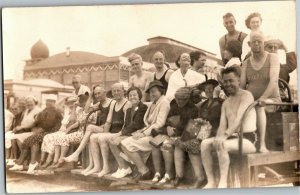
x=226, y=140
x=140, y=79
x=260, y=73
x=162, y=73
x=229, y=23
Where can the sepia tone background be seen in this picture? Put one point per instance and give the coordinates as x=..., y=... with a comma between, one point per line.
x=111, y=36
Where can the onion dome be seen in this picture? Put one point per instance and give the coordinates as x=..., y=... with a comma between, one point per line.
x=39, y=50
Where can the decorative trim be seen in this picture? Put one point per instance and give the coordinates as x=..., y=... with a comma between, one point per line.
x=47, y=73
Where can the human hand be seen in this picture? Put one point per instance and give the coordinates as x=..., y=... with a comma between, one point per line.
x=219, y=142
x=170, y=131
x=138, y=135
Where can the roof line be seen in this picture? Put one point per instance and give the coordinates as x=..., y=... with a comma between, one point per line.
x=185, y=44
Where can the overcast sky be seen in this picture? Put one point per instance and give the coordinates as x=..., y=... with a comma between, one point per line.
x=113, y=30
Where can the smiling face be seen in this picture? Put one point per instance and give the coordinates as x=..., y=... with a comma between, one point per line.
x=158, y=60
x=133, y=97
x=255, y=23
x=99, y=94
x=231, y=83
x=155, y=94
x=184, y=61
x=136, y=65
x=117, y=91
x=229, y=24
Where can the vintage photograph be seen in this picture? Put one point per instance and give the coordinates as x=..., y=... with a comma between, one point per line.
x=150, y=97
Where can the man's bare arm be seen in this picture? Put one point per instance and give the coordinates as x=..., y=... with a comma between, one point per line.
x=223, y=121
x=274, y=76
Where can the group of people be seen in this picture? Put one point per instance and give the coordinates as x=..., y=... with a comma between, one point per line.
x=166, y=115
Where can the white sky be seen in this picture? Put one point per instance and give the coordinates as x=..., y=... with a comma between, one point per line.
x=113, y=30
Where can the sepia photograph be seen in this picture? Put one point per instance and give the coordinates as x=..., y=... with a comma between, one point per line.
x=192, y=96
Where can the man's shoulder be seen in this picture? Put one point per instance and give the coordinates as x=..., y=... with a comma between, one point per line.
x=222, y=39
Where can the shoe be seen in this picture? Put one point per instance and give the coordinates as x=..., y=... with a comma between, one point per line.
x=32, y=167
x=116, y=173
x=177, y=181
x=16, y=167
x=124, y=173
x=200, y=183
x=165, y=179
x=156, y=177
x=140, y=176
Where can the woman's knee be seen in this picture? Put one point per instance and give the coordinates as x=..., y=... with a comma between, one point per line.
x=206, y=144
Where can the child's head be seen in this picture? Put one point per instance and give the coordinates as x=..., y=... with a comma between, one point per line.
x=233, y=49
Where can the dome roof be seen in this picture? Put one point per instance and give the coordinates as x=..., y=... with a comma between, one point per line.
x=70, y=59
x=39, y=50
x=171, y=48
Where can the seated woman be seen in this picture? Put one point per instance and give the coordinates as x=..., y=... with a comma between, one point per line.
x=10, y=123
x=210, y=109
x=112, y=127
x=23, y=131
x=181, y=110
x=133, y=121
x=154, y=118
x=184, y=142
x=47, y=147
x=99, y=99
x=74, y=133
x=47, y=121
x=183, y=76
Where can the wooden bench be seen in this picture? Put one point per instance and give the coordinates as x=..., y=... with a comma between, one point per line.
x=282, y=136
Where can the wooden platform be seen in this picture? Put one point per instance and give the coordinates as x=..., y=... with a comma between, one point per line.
x=146, y=184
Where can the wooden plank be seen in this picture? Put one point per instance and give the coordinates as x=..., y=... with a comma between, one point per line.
x=272, y=157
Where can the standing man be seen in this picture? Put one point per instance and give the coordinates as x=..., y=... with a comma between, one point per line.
x=229, y=23
x=80, y=89
x=141, y=78
x=227, y=139
x=162, y=72
x=260, y=73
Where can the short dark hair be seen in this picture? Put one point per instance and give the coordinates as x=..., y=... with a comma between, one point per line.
x=138, y=90
x=160, y=89
x=228, y=15
x=252, y=15
x=232, y=69
x=195, y=55
x=235, y=48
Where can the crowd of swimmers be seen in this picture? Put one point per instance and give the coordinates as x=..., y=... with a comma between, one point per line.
x=168, y=115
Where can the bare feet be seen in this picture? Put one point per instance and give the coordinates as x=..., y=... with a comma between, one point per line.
x=103, y=172
x=263, y=149
x=46, y=164
x=72, y=158
x=222, y=185
x=209, y=186
x=94, y=170
x=86, y=169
